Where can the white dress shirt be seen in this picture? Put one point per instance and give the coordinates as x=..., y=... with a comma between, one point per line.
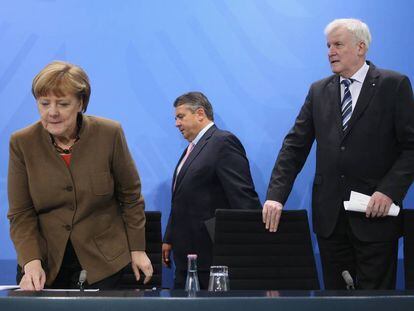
x=356, y=86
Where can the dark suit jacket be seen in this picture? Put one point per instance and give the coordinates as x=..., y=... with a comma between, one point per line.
x=215, y=175
x=97, y=202
x=375, y=153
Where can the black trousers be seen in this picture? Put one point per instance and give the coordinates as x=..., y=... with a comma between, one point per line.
x=372, y=265
x=69, y=272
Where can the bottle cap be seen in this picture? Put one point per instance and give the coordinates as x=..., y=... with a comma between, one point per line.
x=192, y=256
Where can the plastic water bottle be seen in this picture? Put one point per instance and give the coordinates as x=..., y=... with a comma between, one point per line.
x=191, y=284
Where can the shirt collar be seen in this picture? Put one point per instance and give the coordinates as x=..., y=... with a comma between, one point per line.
x=360, y=75
x=202, y=132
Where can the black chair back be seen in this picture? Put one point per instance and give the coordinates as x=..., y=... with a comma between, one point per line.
x=258, y=259
x=153, y=243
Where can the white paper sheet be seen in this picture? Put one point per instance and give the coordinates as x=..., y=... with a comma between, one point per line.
x=358, y=203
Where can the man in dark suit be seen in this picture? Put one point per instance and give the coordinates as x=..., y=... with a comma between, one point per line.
x=362, y=119
x=212, y=173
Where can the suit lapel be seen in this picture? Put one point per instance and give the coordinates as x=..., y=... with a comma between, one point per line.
x=175, y=171
x=365, y=97
x=334, y=100
x=193, y=155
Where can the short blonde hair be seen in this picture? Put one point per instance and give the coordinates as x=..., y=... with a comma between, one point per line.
x=61, y=78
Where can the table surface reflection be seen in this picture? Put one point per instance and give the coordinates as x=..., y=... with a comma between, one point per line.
x=172, y=300
x=166, y=293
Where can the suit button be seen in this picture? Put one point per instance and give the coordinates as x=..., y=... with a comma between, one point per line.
x=342, y=176
x=69, y=188
x=68, y=227
x=342, y=148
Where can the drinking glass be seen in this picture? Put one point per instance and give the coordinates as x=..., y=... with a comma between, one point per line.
x=219, y=279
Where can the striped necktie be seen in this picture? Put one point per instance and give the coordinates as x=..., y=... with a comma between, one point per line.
x=346, y=106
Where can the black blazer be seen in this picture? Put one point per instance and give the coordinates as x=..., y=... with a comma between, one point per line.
x=375, y=153
x=215, y=175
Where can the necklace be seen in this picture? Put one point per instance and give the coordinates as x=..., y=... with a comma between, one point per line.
x=68, y=150
x=64, y=150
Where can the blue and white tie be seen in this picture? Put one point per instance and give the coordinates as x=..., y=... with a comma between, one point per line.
x=346, y=106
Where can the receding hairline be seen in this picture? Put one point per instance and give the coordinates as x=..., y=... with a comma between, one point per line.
x=357, y=28
x=195, y=100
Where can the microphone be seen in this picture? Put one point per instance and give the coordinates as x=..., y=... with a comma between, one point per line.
x=348, y=280
x=82, y=279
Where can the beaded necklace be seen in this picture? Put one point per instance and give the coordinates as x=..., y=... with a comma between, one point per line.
x=68, y=150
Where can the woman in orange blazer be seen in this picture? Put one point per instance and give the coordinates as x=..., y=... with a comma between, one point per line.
x=75, y=198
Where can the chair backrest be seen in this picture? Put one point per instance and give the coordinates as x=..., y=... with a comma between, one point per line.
x=409, y=248
x=258, y=259
x=153, y=243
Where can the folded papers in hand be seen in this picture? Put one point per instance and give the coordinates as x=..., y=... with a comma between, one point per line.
x=358, y=203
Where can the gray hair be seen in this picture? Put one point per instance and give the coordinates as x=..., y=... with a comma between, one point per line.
x=357, y=28
x=194, y=101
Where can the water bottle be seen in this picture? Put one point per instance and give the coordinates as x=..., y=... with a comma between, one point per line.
x=191, y=283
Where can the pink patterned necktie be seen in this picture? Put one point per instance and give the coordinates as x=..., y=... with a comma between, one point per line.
x=187, y=153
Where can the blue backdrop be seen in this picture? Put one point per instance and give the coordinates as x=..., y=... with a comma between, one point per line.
x=254, y=60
